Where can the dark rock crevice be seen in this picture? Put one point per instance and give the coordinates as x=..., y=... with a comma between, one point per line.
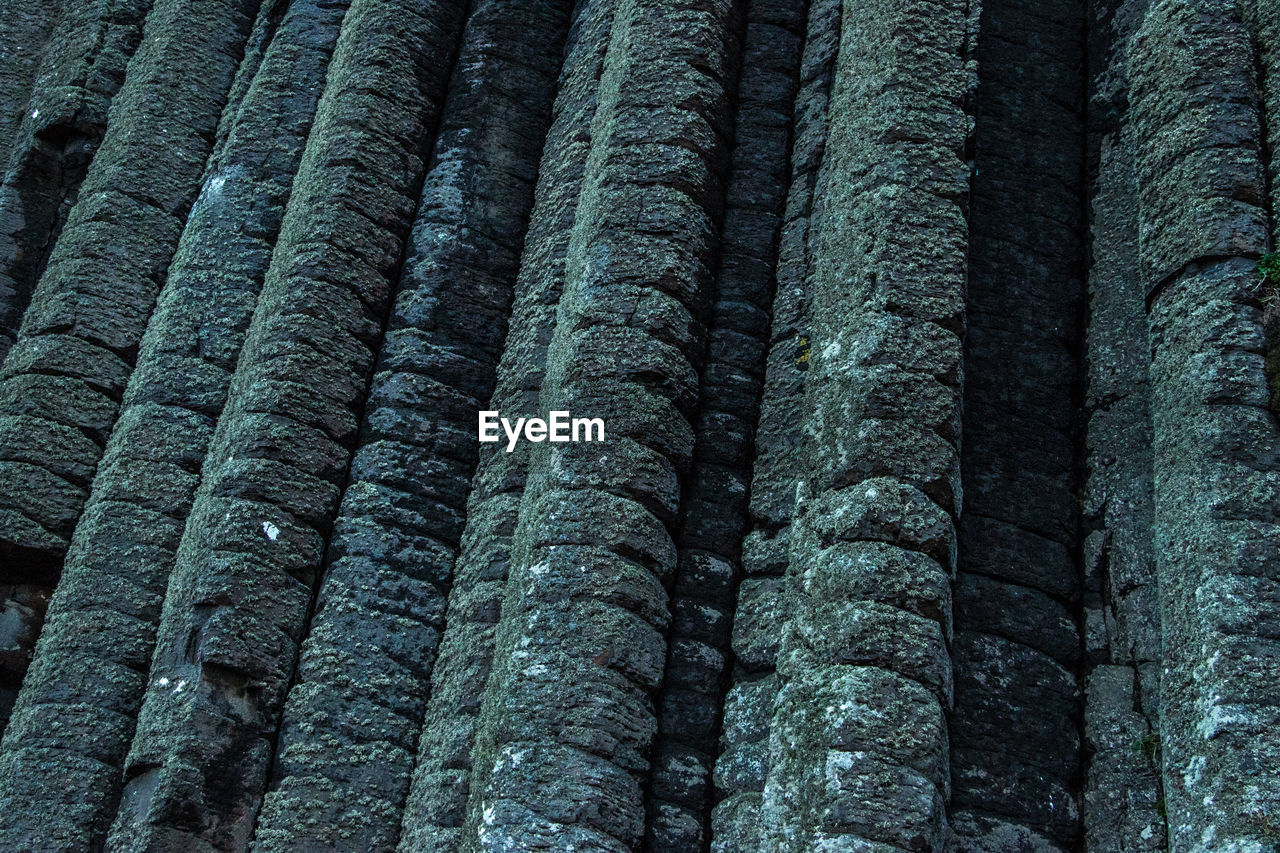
x=1015, y=727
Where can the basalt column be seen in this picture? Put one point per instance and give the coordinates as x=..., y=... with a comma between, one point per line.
x=60, y=763
x=1121, y=801
x=354, y=715
x=61, y=383
x=761, y=601
x=242, y=585
x=436, y=808
x=1217, y=448
x=1015, y=729
x=714, y=517
x=568, y=718
x=858, y=744
x=63, y=124
x=1263, y=20
x=24, y=33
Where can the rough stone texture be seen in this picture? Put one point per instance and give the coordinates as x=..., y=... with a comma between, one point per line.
x=743, y=761
x=436, y=808
x=567, y=715
x=53, y=138
x=714, y=518
x=858, y=739
x=1122, y=797
x=238, y=598
x=822, y=267
x=1015, y=743
x=61, y=382
x=24, y=34
x=92, y=660
x=361, y=684
x=1216, y=470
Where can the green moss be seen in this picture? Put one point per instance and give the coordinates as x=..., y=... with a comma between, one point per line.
x=1269, y=270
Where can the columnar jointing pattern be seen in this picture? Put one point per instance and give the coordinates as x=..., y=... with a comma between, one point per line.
x=237, y=601
x=1016, y=749
x=51, y=141
x=714, y=517
x=761, y=604
x=92, y=661
x=567, y=718
x=858, y=742
x=436, y=808
x=24, y=33
x=820, y=266
x=1217, y=473
x=62, y=381
x=352, y=720
x=1122, y=798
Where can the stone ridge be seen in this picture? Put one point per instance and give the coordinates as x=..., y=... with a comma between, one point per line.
x=938, y=502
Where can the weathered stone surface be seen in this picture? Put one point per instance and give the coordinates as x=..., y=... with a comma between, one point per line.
x=436, y=806
x=126, y=543
x=1215, y=461
x=715, y=514
x=24, y=35
x=761, y=605
x=858, y=742
x=936, y=509
x=238, y=598
x=362, y=679
x=66, y=86
x=1122, y=799
x=104, y=273
x=570, y=697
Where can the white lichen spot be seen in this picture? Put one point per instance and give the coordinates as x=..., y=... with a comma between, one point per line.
x=35, y=114
x=489, y=816
x=178, y=688
x=163, y=682
x=273, y=532
x=1195, y=769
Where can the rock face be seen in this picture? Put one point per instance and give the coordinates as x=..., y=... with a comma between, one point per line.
x=938, y=501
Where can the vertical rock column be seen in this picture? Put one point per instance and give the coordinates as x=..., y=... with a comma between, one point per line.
x=1263, y=20
x=1217, y=449
x=59, y=132
x=567, y=720
x=436, y=808
x=1122, y=793
x=760, y=612
x=858, y=746
x=241, y=588
x=714, y=518
x=24, y=33
x=1015, y=729
x=351, y=724
x=61, y=383
x=75, y=716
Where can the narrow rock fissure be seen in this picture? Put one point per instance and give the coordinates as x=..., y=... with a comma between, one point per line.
x=1023, y=351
